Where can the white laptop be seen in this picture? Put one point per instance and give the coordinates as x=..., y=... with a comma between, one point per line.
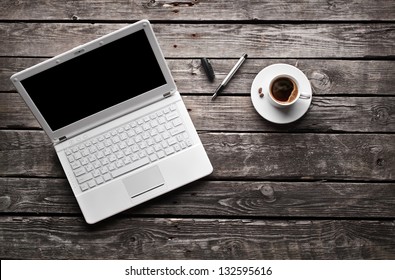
x=118, y=124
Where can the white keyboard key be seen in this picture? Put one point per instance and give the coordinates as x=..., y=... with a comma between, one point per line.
x=96, y=173
x=99, y=155
x=104, y=170
x=161, y=120
x=107, y=177
x=128, y=151
x=171, y=141
x=127, y=168
x=158, y=147
x=177, y=122
x=84, y=161
x=96, y=164
x=92, y=183
x=168, y=126
x=171, y=116
x=127, y=160
x=134, y=157
x=177, y=130
x=100, y=146
x=112, y=167
x=135, y=148
x=75, y=164
x=79, y=171
x=99, y=180
x=84, y=187
x=153, y=157
x=154, y=123
x=84, y=178
x=89, y=167
x=169, y=151
x=164, y=144
x=77, y=155
x=161, y=154
x=166, y=135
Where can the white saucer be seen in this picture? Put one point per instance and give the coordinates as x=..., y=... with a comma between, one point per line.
x=265, y=108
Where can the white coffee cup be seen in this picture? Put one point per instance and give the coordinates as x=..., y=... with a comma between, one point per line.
x=284, y=91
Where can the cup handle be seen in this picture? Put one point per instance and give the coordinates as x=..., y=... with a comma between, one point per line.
x=304, y=95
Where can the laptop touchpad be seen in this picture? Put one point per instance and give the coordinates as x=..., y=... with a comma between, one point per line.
x=143, y=181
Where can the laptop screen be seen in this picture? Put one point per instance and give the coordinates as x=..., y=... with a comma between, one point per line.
x=95, y=81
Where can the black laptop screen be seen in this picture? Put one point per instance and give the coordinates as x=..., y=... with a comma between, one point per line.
x=95, y=80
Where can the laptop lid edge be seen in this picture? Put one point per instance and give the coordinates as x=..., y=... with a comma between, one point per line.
x=112, y=112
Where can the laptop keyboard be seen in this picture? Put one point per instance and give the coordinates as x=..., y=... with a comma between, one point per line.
x=128, y=147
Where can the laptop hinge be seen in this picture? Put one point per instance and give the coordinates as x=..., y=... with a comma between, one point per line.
x=62, y=139
x=167, y=94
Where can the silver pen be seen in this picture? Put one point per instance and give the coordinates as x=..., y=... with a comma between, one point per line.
x=229, y=76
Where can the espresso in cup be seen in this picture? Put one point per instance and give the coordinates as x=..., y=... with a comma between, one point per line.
x=284, y=90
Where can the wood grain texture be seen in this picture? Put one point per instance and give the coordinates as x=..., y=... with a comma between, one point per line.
x=218, y=198
x=193, y=40
x=28, y=153
x=320, y=188
x=201, y=10
x=247, y=156
x=301, y=156
x=326, y=114
x=179, y=238
x=328, y=77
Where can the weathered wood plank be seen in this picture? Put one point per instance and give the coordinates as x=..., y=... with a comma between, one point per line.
x=247, y=156
x=10, y=66
x=150, y=238
x=14, y=112
x=327, y=114
x=301, y=156
x=327, y=76
x=28, y=153
x=193, y=40
x=197, y=10
x=218, y=198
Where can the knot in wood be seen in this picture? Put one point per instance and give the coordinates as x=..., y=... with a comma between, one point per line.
x=5, y=202
x=320, y=81
x=268, y=194
x=195, y=67
x=380, y=114
x=151, y=3
x=336, y=6
x=380, y=162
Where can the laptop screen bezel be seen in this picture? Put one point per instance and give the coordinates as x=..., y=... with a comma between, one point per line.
x=112, y=112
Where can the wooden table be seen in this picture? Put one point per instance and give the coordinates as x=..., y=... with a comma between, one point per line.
x=320, y=188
